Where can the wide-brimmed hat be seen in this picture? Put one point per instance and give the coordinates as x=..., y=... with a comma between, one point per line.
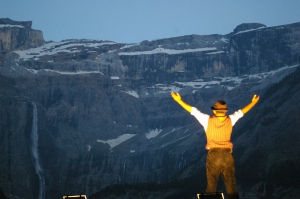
x=220, y=106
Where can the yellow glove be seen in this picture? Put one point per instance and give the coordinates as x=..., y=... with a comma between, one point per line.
x=255, y=98
x=176, y=96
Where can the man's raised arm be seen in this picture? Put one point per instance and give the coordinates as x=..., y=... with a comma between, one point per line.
x=177, y=98
x=252, y=103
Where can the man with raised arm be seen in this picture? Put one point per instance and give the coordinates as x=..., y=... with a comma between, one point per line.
x=218, y=129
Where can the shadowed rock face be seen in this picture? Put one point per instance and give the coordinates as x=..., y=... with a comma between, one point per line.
x=15, y=146
x=91, y=95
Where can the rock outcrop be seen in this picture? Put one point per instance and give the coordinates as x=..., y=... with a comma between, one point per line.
x=248, y=27
x=18, y=35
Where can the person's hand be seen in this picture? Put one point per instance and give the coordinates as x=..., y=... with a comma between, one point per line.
x=247, y=108
x=255, y=98
x=176, y=96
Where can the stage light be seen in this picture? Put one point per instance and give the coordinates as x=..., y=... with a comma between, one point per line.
x=210, y=196
x=76, y=196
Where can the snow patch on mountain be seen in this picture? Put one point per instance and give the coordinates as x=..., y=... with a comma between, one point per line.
x=114, y=77
x=132, y=93
x=129, y=46
x=262, y=27
x=115, y=142
x=225, y=40
x=167, y=51
x=173, y=130
x=226, y=82
x=10, y=26
x=36, y=72
x=68, y=46
x=153, y=133
x=217, y=52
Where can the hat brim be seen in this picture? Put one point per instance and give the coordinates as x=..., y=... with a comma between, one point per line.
x=223, y=110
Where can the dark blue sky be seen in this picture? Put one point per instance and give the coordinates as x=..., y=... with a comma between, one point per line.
x=131, y=21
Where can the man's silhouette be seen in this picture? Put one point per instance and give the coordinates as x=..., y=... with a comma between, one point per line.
x=218, y=129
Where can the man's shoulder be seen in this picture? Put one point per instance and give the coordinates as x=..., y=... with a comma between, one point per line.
x=237, y=113
x=196, y=112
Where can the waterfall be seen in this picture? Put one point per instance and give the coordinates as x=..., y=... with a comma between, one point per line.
x=34, y=149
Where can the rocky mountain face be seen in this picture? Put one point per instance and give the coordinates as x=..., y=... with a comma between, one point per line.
x=18, y=35
x=104, y=115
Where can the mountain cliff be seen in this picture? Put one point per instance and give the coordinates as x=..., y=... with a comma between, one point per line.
x=104, y=115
